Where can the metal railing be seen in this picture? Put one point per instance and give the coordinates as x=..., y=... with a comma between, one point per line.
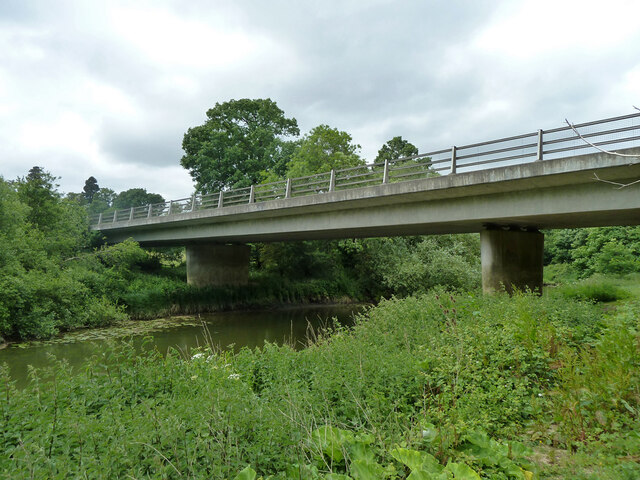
x=610, y=133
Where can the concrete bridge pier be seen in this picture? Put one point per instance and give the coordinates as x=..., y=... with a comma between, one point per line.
x=217, y=265
x=511, y=259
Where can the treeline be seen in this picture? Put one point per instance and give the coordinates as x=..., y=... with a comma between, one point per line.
x=52, y=278
x=103, y=200
x=582, y=252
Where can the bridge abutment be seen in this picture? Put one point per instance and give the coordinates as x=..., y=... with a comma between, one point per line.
x=511, y=259
x=217, y=265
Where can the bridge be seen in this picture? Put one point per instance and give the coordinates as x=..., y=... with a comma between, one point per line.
x=506, y=189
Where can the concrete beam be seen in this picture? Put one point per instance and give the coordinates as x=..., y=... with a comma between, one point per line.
x=550, y=194
x=511, y=260
x=217, y=265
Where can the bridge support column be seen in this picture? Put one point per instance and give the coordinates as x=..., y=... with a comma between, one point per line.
x=511, y=259
x=217, y=265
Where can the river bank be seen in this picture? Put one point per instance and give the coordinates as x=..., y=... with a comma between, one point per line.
x=496, y=386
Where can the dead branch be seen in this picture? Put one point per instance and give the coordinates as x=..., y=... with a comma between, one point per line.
x=595, y=146
x=617, y=184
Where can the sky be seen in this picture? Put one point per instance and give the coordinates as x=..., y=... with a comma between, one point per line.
x=108, y=88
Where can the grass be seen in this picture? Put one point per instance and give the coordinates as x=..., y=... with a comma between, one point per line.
x=599, y=289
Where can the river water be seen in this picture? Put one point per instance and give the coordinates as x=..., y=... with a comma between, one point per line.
x=224, y=329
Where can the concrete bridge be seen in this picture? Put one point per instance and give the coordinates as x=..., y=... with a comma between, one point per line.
x=507, y=190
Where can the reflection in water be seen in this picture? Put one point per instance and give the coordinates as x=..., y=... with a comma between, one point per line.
x=240, y=329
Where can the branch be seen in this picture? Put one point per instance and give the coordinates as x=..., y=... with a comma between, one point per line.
x=595, y=146
x=619, y=185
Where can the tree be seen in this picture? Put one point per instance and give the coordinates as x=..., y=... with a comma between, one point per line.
x=396, y=148
x=240, y=140
x=102, y=201
x=136, y=197
x=38, y=191
x=322, y=150
x=91, y=187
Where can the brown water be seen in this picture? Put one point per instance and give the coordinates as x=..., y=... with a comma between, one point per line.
x=225, y=329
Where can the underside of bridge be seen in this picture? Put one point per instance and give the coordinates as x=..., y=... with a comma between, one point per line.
x=512, y=259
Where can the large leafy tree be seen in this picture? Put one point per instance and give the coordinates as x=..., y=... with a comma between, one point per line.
x=396, y=148
x=136, y=197
x=323, y=149
x=240, y=140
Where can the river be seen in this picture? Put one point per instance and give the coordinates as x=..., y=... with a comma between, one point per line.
x=225, y=329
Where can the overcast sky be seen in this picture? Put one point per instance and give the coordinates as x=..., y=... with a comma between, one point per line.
x=109, y=88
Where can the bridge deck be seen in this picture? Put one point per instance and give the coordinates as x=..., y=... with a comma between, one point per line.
x=543, y=194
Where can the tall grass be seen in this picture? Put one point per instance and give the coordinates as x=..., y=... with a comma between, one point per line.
x=597, y=289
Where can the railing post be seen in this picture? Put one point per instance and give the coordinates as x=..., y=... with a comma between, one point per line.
x=220, y=199
x=99, y=218
x=287, y=192
x=332, y=180
x=131, y=214
x=170, y=207
x=385, y=173
x=193, y=202
x=540, y=145
x=115, y=216
x=150, y=210
x=252, y=195
x=453, y=159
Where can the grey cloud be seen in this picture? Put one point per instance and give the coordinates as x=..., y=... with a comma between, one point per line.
x=372, y=68
x=143, y=146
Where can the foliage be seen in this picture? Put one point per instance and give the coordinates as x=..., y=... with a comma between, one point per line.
x=239, y=140
x=407, y=265
x=49, y=279
x=38, y=191
x=596, y=289
x=90, y=188
x=598, y=392
x=435, y=386
x=135, y=197
x=608, y=250
x=323, y=149
x=102, y=201
x=396, y=148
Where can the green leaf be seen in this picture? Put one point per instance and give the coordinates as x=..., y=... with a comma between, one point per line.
x=332, y=441
x=462, y=471
x=417, y=461
x=246, y=474
x=362, y=470
x=422, y=475
x=429, y=433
